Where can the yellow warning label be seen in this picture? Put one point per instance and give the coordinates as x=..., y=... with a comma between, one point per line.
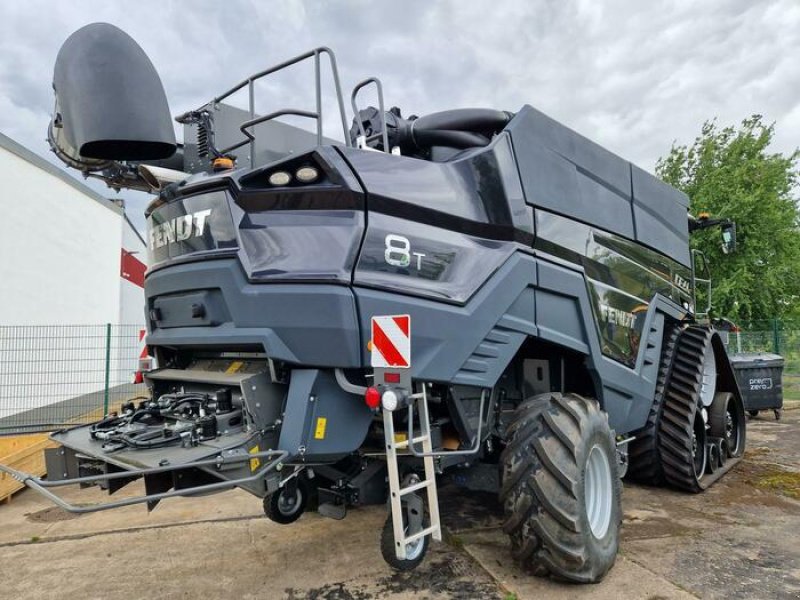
x=400, y=437
x=254, y=462
x=319, y=433
x=234, y=367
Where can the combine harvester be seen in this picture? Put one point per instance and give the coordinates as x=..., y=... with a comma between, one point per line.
x=474, y=291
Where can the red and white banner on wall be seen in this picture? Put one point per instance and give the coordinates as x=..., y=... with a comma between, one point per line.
x=391, y=341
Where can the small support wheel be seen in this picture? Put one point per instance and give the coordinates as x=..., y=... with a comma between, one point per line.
x=778, y=414
x=726, y=422
x=415, y=552
x=288, y=503
x=753, y=413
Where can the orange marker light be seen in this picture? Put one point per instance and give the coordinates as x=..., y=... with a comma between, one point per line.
x=223, y=163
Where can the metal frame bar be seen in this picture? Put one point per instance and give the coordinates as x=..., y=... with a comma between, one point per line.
x=250, y=82
x=42, y=486
x=384, y=133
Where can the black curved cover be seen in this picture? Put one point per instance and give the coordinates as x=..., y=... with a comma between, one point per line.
x=110, y=98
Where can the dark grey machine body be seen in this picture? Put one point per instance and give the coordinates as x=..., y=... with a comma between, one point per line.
x=545, y=287
x=540, y=235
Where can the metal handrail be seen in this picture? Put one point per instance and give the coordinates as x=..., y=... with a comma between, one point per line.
x=41, y=485
x=384, y=133
x=478, y=434
x=250, y=81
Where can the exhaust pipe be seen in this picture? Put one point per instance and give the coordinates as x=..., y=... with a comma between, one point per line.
x=110, y=103
x=159, y=177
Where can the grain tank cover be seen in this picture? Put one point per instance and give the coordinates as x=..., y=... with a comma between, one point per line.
x=110, y=104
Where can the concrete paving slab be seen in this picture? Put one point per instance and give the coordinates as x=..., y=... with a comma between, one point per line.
x=737, y=540
x=253, y=558
x=627, y=580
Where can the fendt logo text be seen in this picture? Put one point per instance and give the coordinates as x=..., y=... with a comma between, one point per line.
x=179, y=229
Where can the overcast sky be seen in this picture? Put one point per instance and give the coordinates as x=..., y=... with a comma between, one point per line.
x=634, y=76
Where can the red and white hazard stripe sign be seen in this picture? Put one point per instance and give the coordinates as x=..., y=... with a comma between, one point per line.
x=391, y=341
x=138, y=376
x=142, y=344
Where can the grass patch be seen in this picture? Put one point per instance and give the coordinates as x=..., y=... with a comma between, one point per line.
x=778, y=481
x=791, y=387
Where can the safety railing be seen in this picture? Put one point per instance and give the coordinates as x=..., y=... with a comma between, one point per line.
x=254, y=120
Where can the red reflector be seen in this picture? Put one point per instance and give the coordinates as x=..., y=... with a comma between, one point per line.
x=138, y=377
x=391, y=377
x=372, y=398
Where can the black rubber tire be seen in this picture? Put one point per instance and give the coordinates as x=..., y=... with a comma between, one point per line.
x=679, y=425
x=778, y=414
x=275, y=504
x=388, y=552
x=644, y=460
x=543, y=488
x=753, y=413
x=729, y=427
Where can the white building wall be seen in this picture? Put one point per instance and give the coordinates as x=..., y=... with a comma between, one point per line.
x=60, y=250
x=60, y=266
x=131, y=307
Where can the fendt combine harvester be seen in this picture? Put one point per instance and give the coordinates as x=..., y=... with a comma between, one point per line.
x=473, y=292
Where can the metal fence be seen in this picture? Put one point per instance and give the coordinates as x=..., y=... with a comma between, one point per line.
x=59, y=375
x=775, y=336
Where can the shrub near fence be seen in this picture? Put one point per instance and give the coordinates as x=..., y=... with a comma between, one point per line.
x=58, y=375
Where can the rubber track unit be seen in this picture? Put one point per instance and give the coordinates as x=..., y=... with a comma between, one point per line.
x=644, y=459
x=680, y=403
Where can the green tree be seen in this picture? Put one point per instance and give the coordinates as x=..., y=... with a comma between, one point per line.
x=731, y=173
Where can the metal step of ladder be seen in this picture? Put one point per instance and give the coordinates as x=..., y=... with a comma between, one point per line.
x=397, y=490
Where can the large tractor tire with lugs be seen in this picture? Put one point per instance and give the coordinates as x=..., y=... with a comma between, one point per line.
x=644, y=461
x=560, y=490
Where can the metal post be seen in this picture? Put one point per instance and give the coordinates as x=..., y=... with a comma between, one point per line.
x=108, y=368
x=252, y=100
x=776, y=340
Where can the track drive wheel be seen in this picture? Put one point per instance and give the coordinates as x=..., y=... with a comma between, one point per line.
x=560, y=488
x=289, y=502
x=726, y=421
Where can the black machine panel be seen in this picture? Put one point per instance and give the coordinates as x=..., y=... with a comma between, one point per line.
x=569, y=174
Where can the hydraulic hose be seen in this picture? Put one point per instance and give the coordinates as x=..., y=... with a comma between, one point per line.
x=480, y=120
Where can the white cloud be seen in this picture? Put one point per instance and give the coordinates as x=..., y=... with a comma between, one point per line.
x=634, y=76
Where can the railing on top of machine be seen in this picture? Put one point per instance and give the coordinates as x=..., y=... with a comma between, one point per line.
x=254, y=120
x=363, y=139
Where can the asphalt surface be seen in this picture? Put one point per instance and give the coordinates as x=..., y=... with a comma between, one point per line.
x=737, y=540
